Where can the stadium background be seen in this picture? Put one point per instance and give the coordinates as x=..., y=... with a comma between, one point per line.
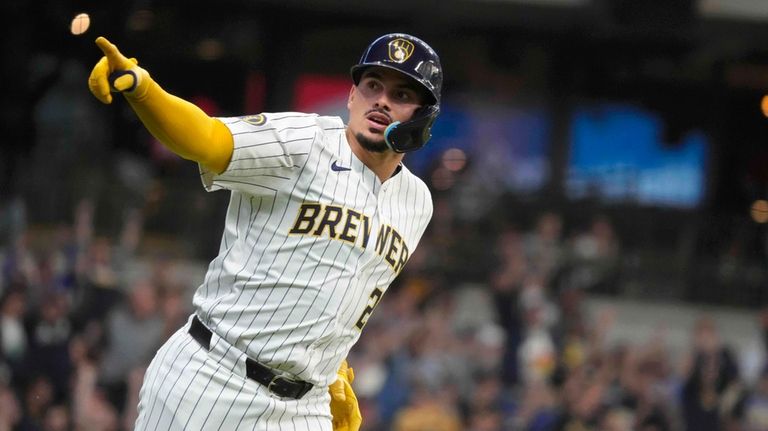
x=597, y=259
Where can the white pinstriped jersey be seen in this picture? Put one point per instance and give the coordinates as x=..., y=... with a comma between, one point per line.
x=312, y=240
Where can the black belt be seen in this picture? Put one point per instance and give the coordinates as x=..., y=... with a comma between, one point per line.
x=279, y=385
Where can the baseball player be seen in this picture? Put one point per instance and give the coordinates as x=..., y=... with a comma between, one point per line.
x=322, y=217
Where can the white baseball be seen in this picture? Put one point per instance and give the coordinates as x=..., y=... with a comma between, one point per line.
x=80, y=24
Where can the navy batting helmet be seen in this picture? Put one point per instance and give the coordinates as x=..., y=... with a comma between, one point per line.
x=414, y=58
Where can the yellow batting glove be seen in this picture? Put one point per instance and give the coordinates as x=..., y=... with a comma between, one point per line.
x=116, y=73
x=344, y=407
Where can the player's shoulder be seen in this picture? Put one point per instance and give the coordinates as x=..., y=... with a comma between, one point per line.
x=283, y=121
x=413, y=178
x=304, y=119
x=416, y=186
x=330, y=123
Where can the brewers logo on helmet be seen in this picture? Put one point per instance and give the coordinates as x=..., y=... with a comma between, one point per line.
x=400, y=49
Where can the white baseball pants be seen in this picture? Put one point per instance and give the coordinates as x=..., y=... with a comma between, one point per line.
x=188, y=388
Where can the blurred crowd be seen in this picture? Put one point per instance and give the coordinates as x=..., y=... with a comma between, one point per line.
x=482, y=332
x=80, y=319
x=520, y=351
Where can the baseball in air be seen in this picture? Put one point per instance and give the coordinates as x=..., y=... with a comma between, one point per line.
x=80, y=24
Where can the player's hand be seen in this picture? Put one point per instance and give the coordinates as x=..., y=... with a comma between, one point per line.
x=116, y=73
x=344, y=407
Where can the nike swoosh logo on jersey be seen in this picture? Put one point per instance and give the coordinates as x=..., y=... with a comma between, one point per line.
x=338, y=168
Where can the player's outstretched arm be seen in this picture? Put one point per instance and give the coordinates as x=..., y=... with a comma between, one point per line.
x=344, y=407
x=180, y=125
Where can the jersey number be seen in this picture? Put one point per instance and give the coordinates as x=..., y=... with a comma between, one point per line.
x=373, y=300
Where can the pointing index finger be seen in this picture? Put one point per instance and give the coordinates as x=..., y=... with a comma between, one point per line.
x=110, y=51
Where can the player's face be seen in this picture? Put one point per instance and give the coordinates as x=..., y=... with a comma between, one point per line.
x=382, y=97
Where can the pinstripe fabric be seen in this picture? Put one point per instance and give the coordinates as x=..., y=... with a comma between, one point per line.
x=187, y=388
x=293, y=299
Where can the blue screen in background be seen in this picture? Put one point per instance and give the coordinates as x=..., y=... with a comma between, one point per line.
x=618, y=155
x=507, y=146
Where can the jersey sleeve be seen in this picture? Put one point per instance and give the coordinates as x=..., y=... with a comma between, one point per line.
x=268, y=148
